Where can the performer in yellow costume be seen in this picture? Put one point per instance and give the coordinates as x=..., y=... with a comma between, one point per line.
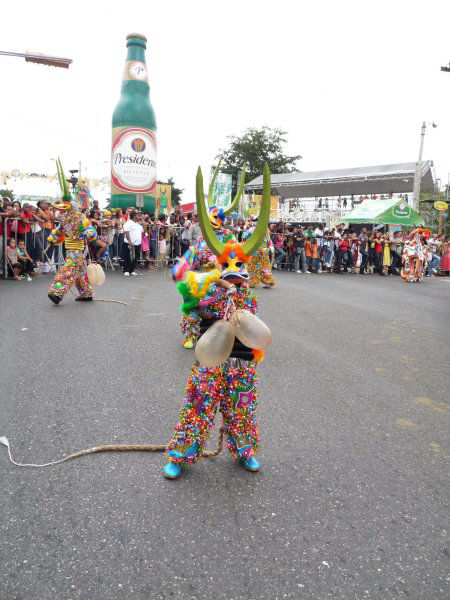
x=259, y=268
x=73, y=230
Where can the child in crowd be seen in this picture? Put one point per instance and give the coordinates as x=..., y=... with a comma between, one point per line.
x=20, y=261
x=162, y=248
x=145, y=247
x=314, y=251
x=308, y=255
x=355, y=250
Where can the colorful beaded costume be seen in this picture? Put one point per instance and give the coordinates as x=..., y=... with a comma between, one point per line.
x=259, y=267
x=73, y=230
x=414, y=256
x=231, y=386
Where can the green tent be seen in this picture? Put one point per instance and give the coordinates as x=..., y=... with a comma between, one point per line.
x=383, y=212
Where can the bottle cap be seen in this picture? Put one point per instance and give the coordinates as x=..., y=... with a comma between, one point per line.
x=136, y=35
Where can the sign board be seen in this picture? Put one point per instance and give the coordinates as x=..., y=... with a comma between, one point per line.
x=255, y=205
x=163, y=198
x=222, y=190
x=440, y=205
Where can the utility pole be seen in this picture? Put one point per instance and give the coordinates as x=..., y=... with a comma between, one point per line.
x=418, y=171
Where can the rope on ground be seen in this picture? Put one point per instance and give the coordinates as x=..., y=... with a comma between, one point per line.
x=111, y=448
x=103, y=299
x=108, y=300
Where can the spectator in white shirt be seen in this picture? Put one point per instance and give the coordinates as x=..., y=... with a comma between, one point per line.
x=132, y=241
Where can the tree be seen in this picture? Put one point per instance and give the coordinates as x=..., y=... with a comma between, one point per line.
x=176, y=192
x=8, y=193
x=427, y=211
x=255, y=147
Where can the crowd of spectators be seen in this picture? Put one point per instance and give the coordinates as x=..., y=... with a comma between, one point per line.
x=157, y=239
x=307, y=249
x=132, y=239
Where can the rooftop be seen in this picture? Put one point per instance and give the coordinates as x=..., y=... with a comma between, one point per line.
x=378, y=179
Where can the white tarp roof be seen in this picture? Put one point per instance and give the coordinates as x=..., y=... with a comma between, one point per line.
x=380, y=179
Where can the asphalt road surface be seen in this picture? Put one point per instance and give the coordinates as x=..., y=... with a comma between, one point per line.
x=352, y=498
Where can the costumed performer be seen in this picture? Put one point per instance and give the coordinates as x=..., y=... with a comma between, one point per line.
x=73, y=230
x=260, y=268
x=229, y=383
x=200, y=257
x=414, y=255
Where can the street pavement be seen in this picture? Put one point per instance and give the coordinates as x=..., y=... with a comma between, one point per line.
x=352, y=498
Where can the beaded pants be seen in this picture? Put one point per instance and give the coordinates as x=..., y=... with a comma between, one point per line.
x=231, y=388
x=73, y=272
x=190, y=328
x=259, y=269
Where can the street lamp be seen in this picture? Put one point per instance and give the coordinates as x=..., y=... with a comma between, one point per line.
x=41, y=59
x=418, y=171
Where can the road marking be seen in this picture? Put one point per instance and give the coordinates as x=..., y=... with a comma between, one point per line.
x=435, y=447
x=439, y=407
x=406, y=423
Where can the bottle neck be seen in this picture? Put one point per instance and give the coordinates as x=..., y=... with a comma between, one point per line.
x=135, y=69
x=136, y=53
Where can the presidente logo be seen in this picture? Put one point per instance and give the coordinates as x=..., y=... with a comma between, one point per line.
x=133, y=160
x=402, y=210
x=138, y=145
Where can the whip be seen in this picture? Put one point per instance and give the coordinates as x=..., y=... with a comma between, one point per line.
x=110, y=448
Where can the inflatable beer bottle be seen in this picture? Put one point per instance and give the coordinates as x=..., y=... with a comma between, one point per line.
x=133, y=156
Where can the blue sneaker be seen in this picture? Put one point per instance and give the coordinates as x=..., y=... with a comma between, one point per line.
x=250, y=464
x=172, y=470
x=191, y=451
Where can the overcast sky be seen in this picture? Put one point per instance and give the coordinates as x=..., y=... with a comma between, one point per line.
x=350, y=81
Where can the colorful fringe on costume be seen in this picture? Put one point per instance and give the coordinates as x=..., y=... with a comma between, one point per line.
x=73, y=272
x=260, y=269
x=73, y=230
x=190, y=328
x=231, y=388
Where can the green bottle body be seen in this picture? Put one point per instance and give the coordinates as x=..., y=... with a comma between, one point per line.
x=133, y=155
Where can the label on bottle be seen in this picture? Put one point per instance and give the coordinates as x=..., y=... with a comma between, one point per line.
x=135, y=70
x=133, y=160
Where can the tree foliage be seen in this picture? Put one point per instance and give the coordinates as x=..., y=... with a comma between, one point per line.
x=427, y=211
x=255, y=147
x=8, y=193
x=176, y=191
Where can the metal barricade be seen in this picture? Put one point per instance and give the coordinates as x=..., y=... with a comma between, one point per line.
x=41, y=252
x=6, y=237
x=165, y=245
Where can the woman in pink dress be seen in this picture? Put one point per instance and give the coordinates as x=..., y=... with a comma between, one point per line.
x=444, y=251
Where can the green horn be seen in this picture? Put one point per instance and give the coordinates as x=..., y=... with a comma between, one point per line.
x=257, y=237
x=62, y=180
x=214, y=244
x=211, y=185
x=235, y=202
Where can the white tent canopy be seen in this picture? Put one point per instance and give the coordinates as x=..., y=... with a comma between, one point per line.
x=359, y=181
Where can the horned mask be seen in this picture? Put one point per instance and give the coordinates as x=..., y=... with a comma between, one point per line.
x=233, y=256
x=65, y=203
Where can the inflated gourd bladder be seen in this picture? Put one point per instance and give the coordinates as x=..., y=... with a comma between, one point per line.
x=96, y=275
x=215, y=345
x=250, y=330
